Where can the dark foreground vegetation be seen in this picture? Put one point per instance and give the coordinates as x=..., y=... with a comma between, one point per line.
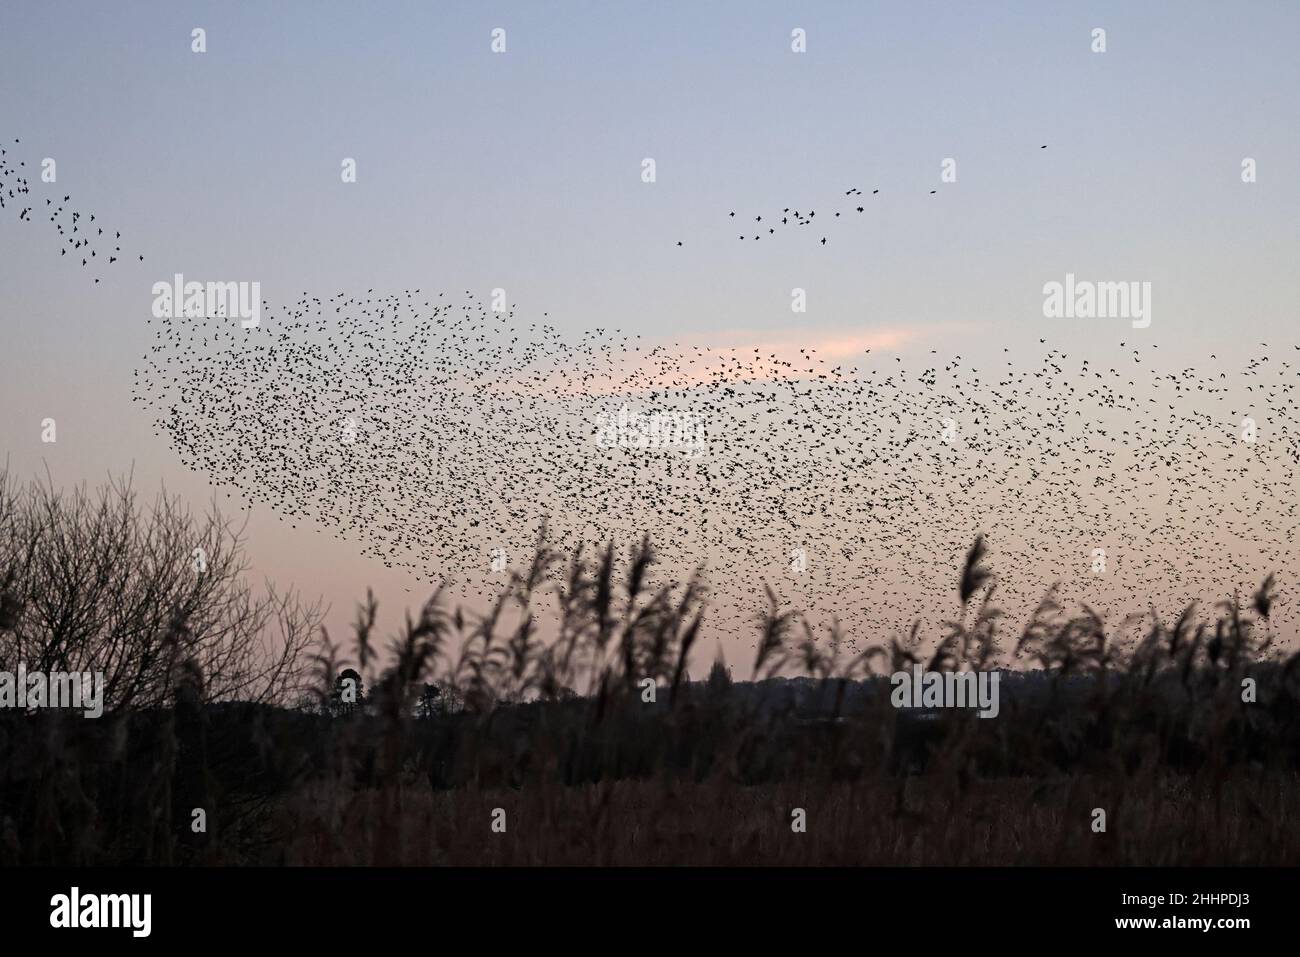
x=236, y=732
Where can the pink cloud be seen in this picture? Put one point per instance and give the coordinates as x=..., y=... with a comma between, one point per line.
x=741, y=354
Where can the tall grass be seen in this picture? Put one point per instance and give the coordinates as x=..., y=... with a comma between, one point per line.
x=600, y=749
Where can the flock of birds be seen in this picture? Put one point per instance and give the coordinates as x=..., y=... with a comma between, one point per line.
x=81, y=236
x=790, y=217
x=438, y=434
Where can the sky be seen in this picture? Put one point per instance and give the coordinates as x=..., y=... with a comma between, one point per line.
x=522, y=170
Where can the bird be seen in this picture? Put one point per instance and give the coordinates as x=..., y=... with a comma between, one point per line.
x=62, y=221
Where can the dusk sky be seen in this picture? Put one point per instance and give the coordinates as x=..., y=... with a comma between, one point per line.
x=522, y=170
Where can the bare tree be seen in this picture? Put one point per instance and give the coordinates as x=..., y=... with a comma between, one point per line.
x=91, y=581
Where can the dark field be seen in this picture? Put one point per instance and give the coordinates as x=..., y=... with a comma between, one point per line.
x=470, y=740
